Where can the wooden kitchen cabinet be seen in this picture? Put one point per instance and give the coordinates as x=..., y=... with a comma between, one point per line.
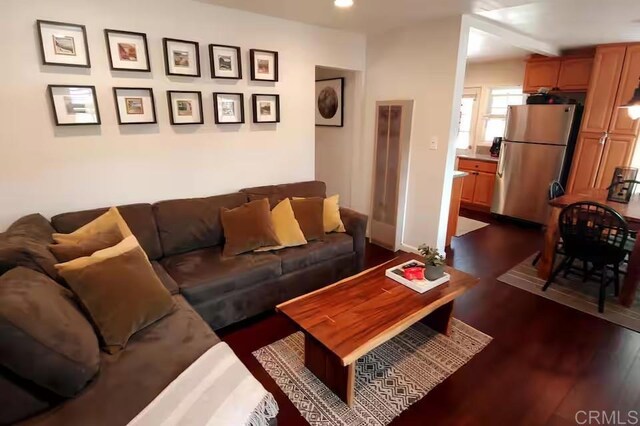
x=586, y=161
x=621, y=123
x=477, y=187
x=575, y=74
x=601, y=96
x=541, y=73
x=617, y=151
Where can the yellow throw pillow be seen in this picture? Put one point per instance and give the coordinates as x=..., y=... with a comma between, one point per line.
x=103, y=232
x=331, y=214
x=119, y=289
x=286, y=226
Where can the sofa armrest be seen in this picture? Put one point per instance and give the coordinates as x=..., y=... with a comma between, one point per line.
x=356, y=225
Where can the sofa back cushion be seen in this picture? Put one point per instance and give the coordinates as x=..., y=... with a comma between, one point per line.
x=191, y=224
x=45, y=337
x=20, y=399
x=277, y=193
x=139, y=218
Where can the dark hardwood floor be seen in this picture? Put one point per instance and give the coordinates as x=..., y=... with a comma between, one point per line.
x=546, y=361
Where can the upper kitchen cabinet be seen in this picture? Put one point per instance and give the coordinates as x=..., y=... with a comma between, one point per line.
x=621, y=123
x=603, y=88
x=567, y=73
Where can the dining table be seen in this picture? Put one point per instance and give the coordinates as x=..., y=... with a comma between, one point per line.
x=631, y=213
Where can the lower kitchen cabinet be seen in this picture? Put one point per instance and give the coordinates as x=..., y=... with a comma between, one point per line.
x=477, y=187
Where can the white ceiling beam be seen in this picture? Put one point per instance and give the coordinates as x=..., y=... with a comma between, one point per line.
x=511, y=35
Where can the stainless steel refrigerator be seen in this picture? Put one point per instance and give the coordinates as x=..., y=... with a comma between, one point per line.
x=536, y=150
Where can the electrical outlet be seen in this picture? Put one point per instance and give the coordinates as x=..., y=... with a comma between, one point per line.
x=434, y=143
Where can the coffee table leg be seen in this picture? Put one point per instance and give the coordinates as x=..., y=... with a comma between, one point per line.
x=329, y=369
x=440, y=319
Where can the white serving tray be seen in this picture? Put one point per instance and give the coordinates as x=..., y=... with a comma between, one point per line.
x=421, y=286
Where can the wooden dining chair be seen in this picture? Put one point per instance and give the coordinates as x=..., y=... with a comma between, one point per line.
x=594, y=234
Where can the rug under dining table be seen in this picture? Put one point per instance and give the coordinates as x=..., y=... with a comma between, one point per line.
x=389, y=379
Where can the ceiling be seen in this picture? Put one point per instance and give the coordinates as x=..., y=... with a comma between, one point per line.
x=485, y=47
x=564, y=23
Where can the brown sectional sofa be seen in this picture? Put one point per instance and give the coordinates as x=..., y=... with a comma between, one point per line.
x=183, y=239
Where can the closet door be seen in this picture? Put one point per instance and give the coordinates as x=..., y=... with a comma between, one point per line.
x=393, y=123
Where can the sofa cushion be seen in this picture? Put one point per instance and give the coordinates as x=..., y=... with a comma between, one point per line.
x=20, y=399
x=191, y=224
x=131, y=379
x=205, y=274
x=105, y=231
x=247, y=228
x=276, y=193
x=333, y=245
x=139, y=218
x=26, y=243
x=119, y=289
x=45, y=338
x=164, y=277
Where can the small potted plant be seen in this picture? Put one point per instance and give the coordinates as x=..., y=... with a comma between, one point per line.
x=433, y=262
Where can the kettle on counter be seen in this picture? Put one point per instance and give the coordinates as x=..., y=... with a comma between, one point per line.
x=495, y=147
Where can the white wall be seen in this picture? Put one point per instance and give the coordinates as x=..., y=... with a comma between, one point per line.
x=487, y=75
x=335, y=145
x=424, y=62
x=51, y=169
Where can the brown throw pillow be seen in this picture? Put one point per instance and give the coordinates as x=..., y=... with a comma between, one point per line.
x=309, y=214
x=248, y=227
x=45, y=337
x=26, y=243
x=119, y=290
x=103, y=232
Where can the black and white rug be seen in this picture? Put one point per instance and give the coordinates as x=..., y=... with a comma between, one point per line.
x=388, y=379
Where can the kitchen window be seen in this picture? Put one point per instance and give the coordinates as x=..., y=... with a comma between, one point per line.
x=468, y=119
x=496, y=117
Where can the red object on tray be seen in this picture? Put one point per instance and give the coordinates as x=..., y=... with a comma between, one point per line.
x=416, y=273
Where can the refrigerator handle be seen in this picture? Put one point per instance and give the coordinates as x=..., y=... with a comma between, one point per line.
x=603, y=138
x=501, y=165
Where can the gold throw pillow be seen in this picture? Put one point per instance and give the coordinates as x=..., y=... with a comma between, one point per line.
x=103, y=232
x=286, y=227
x=119, y=289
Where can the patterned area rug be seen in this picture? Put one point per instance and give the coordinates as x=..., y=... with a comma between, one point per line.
x=388, y=379
x=572, y=292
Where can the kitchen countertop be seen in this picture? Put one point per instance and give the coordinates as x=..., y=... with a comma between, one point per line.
x=459, y=174
x=479, y=157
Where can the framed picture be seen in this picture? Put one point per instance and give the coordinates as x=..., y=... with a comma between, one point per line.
x=266, y=108
x=63, y=44
x=264, y=65
x=330, y=102
x=181, y=57
x=229, y=108
x=225, y=62
x=185, y=107
x=74, y=105
x=135, y=105
x=128, y=51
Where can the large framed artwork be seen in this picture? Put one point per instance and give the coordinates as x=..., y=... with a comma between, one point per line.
x=135, y=105
x=266, y=108
x=181, y=57
x=225, y=62
x=74, y=105
x=330, y=102
x=185, y=107
x=229, y=108
x=63, y=44
x=264, y=65
x=128, y=51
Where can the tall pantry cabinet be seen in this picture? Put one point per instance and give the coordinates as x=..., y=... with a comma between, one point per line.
x=608, y=136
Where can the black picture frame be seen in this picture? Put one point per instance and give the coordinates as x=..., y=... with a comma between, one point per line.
x=153, y=105
x=165, y=46
x=107, y=32
x=341, y=79
x=215, y=108
x=254, y=107
x=170, y=98
x=238, y=61
x=276, y=66
x=39, y=23
x=50, y=88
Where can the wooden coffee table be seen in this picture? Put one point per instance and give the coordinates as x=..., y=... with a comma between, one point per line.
x=346, y=320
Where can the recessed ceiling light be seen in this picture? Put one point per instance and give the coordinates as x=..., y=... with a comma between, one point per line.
x=343, y=3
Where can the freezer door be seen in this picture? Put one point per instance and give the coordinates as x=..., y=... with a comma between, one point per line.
x=549, y=124
x=524, y=173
